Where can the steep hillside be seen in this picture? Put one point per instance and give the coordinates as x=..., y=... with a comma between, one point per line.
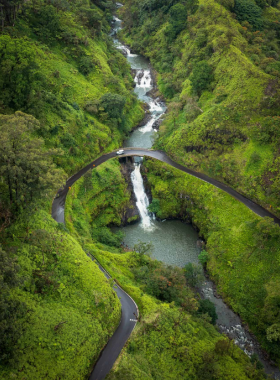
x=65, y=97
x=218, y=65
x=52, y=314
x=58, y=64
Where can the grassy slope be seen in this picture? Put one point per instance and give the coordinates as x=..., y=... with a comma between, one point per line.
x=244, y=256
x=64, y=329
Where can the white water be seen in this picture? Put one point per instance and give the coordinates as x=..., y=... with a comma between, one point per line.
x=143, y=79
x=142, y=202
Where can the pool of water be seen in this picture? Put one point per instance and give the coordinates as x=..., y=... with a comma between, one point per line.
x=174, y=242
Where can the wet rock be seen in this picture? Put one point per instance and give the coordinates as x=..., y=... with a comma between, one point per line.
x=157, y=124
x=147, y=187
x=145, y=120
x=200, y=243
x=124, y=52
x=131, y=213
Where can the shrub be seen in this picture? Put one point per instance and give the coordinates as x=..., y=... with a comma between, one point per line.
x=207, y=307
x=203, y=257
x=68, y=140
x=105, y=236
x=86, y=64
x=154, y=206
x=255, y=360
x=201, y=77
x=255, y=157
x=201, y=38
x=193, y=274
x=76, y=106
x=268, y=131
x=178, y=18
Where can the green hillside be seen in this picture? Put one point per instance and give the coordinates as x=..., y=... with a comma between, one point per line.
x=218, y=66
x=66, y=96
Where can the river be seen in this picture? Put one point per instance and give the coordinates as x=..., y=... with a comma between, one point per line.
x=175, y=242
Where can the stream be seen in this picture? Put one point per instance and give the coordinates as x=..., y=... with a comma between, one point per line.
x=175, y=243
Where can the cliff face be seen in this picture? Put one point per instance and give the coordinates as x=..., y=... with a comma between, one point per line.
x=131, y=213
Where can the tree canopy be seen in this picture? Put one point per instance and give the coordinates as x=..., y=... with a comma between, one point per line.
x=25, y=165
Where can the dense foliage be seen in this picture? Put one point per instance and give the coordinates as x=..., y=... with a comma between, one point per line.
x=169, y=341
x=174, y=345
x=11, y=310
x=25, y=165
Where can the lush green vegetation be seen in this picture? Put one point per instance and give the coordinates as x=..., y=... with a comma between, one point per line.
x=242, y=252
x=165, y=295
x=60, y=79
x=58, y=64
x=220, y=75
x=174, y=339
x=174, y=345
x=96, y=202
x=66, y=96
x=53, y=304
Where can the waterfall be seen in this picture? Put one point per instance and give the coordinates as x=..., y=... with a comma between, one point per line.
x=142, y=201
x=143, y=79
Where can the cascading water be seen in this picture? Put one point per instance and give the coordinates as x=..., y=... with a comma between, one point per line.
x=142, y=202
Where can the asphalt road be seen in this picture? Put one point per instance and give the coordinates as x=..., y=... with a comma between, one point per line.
x=129, y=309
x=114, y=346
x=59, y=202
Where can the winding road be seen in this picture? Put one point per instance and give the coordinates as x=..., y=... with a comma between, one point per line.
x=59, y=201
x=129, y=308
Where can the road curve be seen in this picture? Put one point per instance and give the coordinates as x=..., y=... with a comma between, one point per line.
x=59, y=201
x=129, y=308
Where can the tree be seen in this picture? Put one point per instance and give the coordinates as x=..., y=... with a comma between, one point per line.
x=113, y=104
x=193, y=274
x=178, y=17
x=143, y=249
x=247, y=10
x=46, y=23
x=11, y=311
x=19, y=72
x=207, y=307
x=203, y=257
x=25, y=165
x=201, y=77
x=9, y=10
